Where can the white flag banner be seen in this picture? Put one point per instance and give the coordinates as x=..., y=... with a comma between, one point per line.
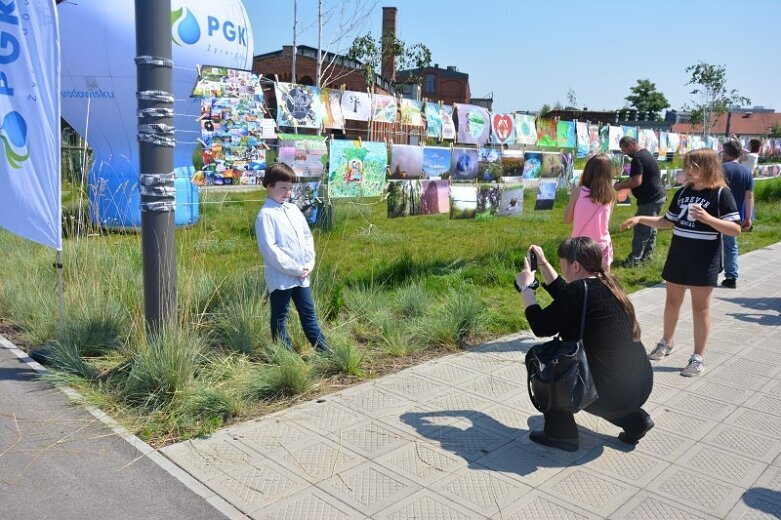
x=30, y=188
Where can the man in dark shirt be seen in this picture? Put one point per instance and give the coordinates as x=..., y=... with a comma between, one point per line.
x=645, y=180
x=741, y=183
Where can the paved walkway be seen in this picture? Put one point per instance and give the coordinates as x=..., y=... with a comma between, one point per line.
x=449, y=439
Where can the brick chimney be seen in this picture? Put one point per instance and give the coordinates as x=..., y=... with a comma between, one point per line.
x=388, y=68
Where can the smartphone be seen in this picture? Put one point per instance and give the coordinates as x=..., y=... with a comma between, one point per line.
x=532, y=260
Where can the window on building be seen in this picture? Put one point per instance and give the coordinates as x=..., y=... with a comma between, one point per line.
x=430, y=83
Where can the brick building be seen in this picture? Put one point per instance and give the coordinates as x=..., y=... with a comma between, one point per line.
x=447, y=85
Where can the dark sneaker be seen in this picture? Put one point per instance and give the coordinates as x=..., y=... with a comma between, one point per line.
x=560, y=444
x=729, y=283
x=633, y=438
x=628, y=262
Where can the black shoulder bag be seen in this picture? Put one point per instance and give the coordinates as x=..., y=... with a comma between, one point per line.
x=558, y=375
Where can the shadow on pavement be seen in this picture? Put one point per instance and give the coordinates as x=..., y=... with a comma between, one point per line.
x=18, y=371
x=765, y=500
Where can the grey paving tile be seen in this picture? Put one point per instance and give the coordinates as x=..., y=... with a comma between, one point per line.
x=494, y=388
x=764, y=403
x=369, y=488
x=763, y=354
x=740, y=378
x=661, y=392
x=514, y=418
x=324, y=417
x=537, y=505
x=422, y=462
x=626, y=465
x=756, y=506
x=720, y=464
x=743, y=442
x=415, y=387
x=590, y=490
x=370, y=438
x=485, y=362
x=772, y=387
x=759, y=422
x=517, y=460
x=269, y=434
x=206, y=459
x=712, y=357
x=752, y=366
x=458, y=400
x=713, y=389
x=682, y=423
x=372, y=400
x=317, y=460
x=647, y=506
x=471, y=442
x=668, y=373
x=514, y=372
x=309, y=504
x=769, y=483
x=664, y=445
x=446, y=372
x=425, y=504
x=697, y=491
x=479, y=489
x=524, y=404
x=701, y=406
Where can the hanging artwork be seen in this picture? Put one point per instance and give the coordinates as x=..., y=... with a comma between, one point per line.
x=489, y=164
x=435, y=197
x=404, y=198
x=489, y=198
x=546, y=132
x=568, y=166
x=406, y=161
x=594, y=144
x=583, y=139
x=683, y=147
x=474, y=124
x=525, y=129
x=464, y=164
x=649, y=140
x=532, y=165
x=512, y=163
x=695, y=143
x=332, y=108
x=436, y=162
x=662, y=146
x=546, y=195
x=218, y=82
x=448, y=126
x=552, y=166
x=305, y=196
x=565, y=134
x=411, y=112
x=357, y=169
x=356, y=106
x=502, y=129
x=384, y=109
x=463, y=201
x=433, y=120
x=617, y=164
x=306, y=154
x=673, y=142
x=511, y=203
x=615, y=133
x=298, y=106
x=631, y=131
x=604, y=139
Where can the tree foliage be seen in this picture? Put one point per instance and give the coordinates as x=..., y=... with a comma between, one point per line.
x=710, y=84
x=645, y=98
x=369, y=52
x=544, y=109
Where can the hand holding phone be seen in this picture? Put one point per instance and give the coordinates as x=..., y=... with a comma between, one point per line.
x=532, y=261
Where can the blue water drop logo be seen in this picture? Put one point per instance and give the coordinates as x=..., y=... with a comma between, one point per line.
x=184, y=27
x=13, y=133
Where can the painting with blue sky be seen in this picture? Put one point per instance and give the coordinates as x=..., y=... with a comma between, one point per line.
x=436, y=161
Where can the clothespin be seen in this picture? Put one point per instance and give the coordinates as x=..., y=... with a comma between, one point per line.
x=265, y=145
x=360, y=143
x=276, y=78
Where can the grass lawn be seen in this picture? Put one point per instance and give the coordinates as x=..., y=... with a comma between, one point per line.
x=390, y=292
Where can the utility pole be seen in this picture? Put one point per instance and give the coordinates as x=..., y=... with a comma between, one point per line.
x=319, y=39
x=156, y=158
x=295, y=49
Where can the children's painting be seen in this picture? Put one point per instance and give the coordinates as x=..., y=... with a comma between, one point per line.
x=525, y=129
x=356, y=106
x=463, y=201
x=616, y=164
x=568, y=166
x=532, y=165
x=464, y=164
x=489, y=164
x=565, y=134
x=217, y=82
x=435, y=197
x=615, y=133
x=357, y=169
x=502, y=129
x=649, y=140
x=331, y=101
x=512, y=163
x=305, y=196
x=448, y=125
x=474, y=124
x=511, y=203
x=411, y=112
x=404, y=198
x=436, y=162
x=552, y=167
x=583, y=140
x=673, y=142
x=604, y=139
x=595, y=143
x=384, y=109
x=662, y=146
x=489, y=198
x=298, y=106
x=546, y=132
x=406, y=161
x=433, y=120
x=630, y=131
x=546, y=195
x=306, y=154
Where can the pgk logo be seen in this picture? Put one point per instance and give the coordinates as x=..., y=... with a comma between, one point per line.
x=184, y=27
x=13, y=133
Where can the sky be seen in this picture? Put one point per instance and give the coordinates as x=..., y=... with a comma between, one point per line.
x=528, y=53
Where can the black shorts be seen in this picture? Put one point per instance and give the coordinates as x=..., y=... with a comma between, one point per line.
x=693, y=262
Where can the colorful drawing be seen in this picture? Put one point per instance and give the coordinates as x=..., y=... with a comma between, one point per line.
x=617, y=164
x=583, y=139
x=511, y=203
x=568, y=165
x=662, y=146
x=546, y=132
x=673, y=142
x=448, y=126
x=306, y=154
x=474, y=124
x=565, y=134
x=631, y=131
x=411, y=112
x=489, y=164
x=649, y=140
x=502, y=129
x=615, y=133
x=436, y=162
x=217, y=82
x=332, y=108
x=298, y=106
x=384, y=109
x=433, y=120
x=512, y=163
x=684, y=145
x=463, y=201
x=357, y=169
x=404, y=198
x=552, y=166
x=305, y=196
x=546, y=195
x=464, y=164
x=406, y=161
x=532, y=165
x=435, y=198
x=594, y=142
x=525, y=129
x=489, y=198
x=604, y=139
x=695, y=142
x=356, y=106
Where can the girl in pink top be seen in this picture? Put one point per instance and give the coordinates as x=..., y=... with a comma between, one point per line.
x=590, y=206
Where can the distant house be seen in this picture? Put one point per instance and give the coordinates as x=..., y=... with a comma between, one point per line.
x=447, y=85
x=740, y=123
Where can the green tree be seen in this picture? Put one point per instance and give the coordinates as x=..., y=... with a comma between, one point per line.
x=368, y=50
x=544, y=109
x=710, y=84
x=645, y=98
x=775, y=130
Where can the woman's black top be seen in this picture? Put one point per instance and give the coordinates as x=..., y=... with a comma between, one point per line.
x=619, y=365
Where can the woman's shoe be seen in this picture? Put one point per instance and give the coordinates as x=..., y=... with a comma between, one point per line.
x=633, y=438
x=560, y=444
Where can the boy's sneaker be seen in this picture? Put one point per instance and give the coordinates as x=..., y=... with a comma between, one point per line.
x=661, y=349
x=729, y=283
x=695, y=366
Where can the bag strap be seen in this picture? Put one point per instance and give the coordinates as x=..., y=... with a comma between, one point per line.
x=585, y=304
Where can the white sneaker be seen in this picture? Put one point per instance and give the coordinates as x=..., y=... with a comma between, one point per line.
x=695, y=366
x=660, y=350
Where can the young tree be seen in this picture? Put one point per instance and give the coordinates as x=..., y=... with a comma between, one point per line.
x=645, y=98
x=369, y=51
x=572, y=98
x=544, y=109
x=710, y=83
